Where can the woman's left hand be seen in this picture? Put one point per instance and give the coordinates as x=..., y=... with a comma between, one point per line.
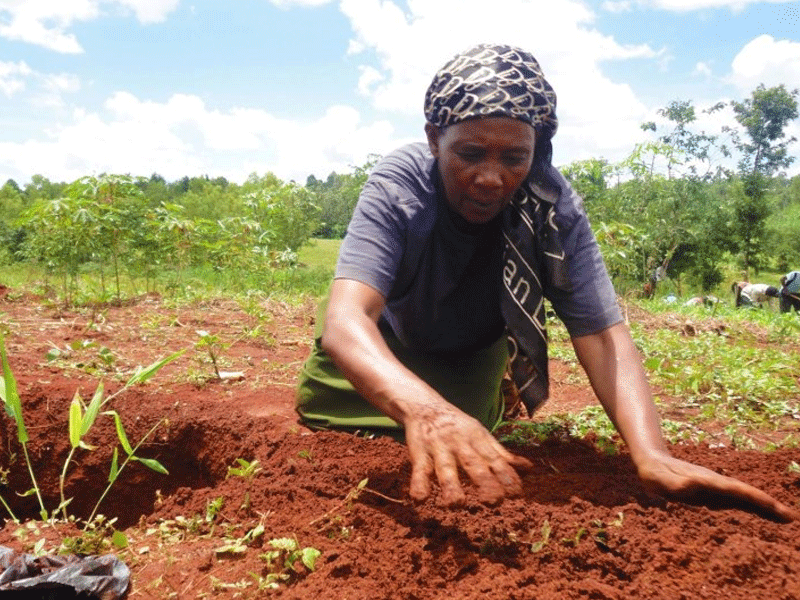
x=677, y=479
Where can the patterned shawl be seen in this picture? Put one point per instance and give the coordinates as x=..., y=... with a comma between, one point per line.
x=498, y=80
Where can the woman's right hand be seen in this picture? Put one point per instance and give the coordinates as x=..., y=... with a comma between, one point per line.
x=441, y=438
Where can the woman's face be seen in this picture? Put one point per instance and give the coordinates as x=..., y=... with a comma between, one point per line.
x=482, y=163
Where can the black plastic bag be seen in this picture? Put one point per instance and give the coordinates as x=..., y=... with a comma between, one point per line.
x=101, y=577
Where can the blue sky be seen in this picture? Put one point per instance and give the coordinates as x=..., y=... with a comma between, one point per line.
x=299, y=87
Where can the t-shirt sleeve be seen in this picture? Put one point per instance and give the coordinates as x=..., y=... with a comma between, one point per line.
x=374, y=243
x=591, y=304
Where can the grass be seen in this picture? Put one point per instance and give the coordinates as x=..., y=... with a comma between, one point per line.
x=310, y=277
x=726, y=371
x=320, y=253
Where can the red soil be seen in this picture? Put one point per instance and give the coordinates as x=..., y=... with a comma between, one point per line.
x=608, y=539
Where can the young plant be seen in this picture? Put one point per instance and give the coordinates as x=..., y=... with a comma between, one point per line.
x=81, y=419
x=13, y=406
x=212, y=343
x=246, y=470
x=282, y=558
x=151, y=463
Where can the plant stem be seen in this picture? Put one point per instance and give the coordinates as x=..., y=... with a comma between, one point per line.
x=8, y=508
x=43, y=512
x=130, y=456
x=61, y=482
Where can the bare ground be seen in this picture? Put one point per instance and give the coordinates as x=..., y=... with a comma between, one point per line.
x=584, y=528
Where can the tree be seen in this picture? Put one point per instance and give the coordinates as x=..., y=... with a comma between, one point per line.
x=764, y=117
x=337, y=197
x=690, y=149
x=588, y=177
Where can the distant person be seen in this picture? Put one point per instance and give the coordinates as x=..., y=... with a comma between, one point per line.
x=440, y=286
x=790, y=292
x=707, y=301
x=754, y=294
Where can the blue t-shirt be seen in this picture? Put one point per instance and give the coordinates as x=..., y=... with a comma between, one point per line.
x=441, y=277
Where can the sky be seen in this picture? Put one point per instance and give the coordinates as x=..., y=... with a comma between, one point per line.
x=301, y=87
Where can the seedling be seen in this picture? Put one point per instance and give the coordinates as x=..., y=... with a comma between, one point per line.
x=240, y=545
x=81, y=419
x=546, y=530
x=214, y=347
x=248, y=471
x=281, y=560
x=347, y=503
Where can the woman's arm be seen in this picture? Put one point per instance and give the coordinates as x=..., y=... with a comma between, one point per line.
x=615, y=371
x=439, y=436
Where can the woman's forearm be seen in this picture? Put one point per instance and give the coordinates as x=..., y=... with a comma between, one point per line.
x=614, y=367
x=352, y=339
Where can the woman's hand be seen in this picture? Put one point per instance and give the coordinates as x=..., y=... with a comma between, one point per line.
x=676, y=479
x=615, y=370
x=441, y=439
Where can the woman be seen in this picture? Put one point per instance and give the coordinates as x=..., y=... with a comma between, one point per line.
x=790, y=292
x=452, y=247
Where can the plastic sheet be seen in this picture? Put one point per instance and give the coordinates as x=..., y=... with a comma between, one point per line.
x=102, y=577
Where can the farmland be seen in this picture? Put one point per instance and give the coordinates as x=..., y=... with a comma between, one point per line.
x=244, y=475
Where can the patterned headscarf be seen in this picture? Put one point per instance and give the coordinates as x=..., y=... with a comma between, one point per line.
x=496, y=80
x=492, y=80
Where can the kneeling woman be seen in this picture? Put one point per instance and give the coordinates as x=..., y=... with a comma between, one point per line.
x=441, y=281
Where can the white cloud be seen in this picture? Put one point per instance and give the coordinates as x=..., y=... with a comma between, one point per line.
x=46, y=22
x=617, y=7
x=13, y=76
x=768, y=61
x=148, y=11
x=183, y=136
x=695, y=5
x=290, y=3
x=370, y=77
x=597, y=115
x=702, y=69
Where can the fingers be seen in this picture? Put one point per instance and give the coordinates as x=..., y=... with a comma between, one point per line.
x=490, y=467
x=758, y=499
x=422, y=468
x=697, y=485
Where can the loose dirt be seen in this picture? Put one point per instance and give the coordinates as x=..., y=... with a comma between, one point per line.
x=584, y=528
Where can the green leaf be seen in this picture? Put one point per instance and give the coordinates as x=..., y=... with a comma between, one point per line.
x=309, y=557
x=91, y=412
x=114, y=472
x=143, y=375
x=152, y=464
x=123, y=439
x=287, y=544
x=8, y=391
x=119, y=539
x=75, y=418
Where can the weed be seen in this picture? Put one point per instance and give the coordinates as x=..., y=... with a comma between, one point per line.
x=346, y=504
x=240, y=544
x=97, y=537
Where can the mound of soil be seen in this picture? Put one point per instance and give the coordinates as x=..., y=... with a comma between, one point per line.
x=584, y=528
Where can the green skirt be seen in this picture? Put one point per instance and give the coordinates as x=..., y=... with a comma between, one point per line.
x=471, y=381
